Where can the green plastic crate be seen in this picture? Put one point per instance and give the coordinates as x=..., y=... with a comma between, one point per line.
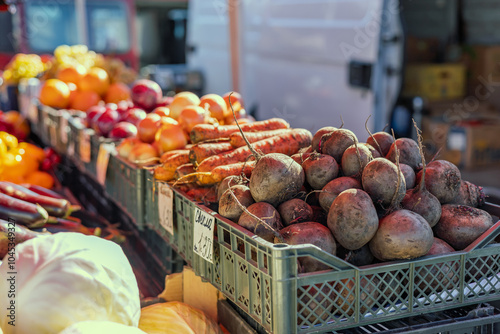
x=125, y=185
x=151, y=205
x=170, y=261
x=76, y=133
x=263, y=279
x=471, y=319
x=54, y=130
x=44, y=122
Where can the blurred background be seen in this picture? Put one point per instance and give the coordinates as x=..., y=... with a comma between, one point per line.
x=379, y=62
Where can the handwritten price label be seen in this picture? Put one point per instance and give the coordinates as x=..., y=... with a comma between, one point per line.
x=85, y=146
x=165, y=207
x=203, y=234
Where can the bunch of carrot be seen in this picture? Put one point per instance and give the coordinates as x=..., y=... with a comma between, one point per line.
x=221, y=151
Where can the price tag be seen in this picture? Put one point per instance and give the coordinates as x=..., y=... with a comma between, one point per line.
x=102, y=162
x=52, y=134
x=203, y=234
x=166, y=207
x=85, y=146
x=64, y=129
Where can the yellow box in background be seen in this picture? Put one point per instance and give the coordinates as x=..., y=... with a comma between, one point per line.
x=435, y=81
x=467, y=145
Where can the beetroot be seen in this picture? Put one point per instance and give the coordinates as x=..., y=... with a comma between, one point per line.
x=268, y=228
x=310, y=233
x=295, y=211
x=460, y=225
x=354, y=159
x=353, y=219
x=382, y=141
x=401, y=235
x=382, y=182
x=334, y=188
x=409, y=152
x=409, y=175
x=320, y=169
x=469, y=194
x=337, y=142
x=276, y=178
x=317, y=137
x=442, y=179
x=231, y=202
x=421, y=201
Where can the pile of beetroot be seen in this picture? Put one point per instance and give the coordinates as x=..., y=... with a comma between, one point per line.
x=363, y=202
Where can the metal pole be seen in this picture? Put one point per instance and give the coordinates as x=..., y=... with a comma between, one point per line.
x=233, y=10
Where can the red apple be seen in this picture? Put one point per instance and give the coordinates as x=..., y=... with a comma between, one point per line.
x=122, y=130
x=134, y=116
x=112, y=106
x=106, y=121
x=146, y=94
x=92, y=112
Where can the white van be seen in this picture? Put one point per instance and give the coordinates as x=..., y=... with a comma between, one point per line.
x=310, y=62
x=315, y=61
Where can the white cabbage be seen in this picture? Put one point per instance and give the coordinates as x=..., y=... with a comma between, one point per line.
x=66, y=278
x=100, y=327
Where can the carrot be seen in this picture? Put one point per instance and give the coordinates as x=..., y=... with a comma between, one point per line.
x=200, y=152
x=288, y=143
x=183, y=170
x=221, y=172
x=236, y=139
x=202, y=132
x=202, y=194
x=176, y=160
x=169, y=154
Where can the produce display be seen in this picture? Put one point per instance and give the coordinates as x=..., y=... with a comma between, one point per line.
x=25, y=66
x=165, y=127
x=360, y=190
x=366, y=203
x=22, y=162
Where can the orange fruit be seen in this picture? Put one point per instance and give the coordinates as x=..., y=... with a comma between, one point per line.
x=83, y=100
x=117, y=92
x=180, y=101
x=216, y=105
x=236, y=101
x=162, y=111
x=54, y=93
x=170, y=136
x=40, y=178
x=71, y=74
x=73, y=89
x=96, y=80
x=146, y=129
x=192, y=115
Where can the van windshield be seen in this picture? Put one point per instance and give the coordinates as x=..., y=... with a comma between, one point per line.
x=50, y=24
x=108, y=29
